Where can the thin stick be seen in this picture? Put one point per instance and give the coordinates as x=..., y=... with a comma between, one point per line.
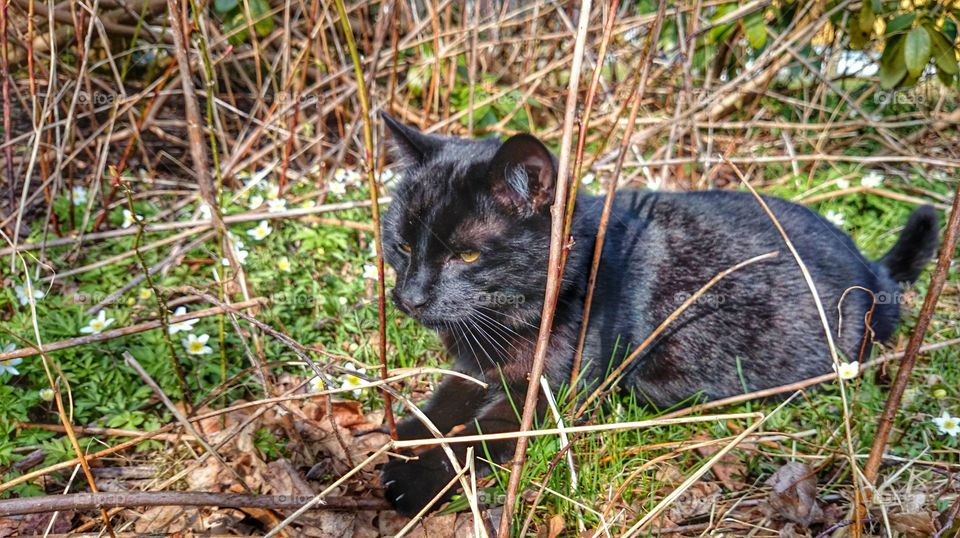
x=554, y=269
x=91, y=501
x=937, y=282
x=374, y=195
x=124, y=331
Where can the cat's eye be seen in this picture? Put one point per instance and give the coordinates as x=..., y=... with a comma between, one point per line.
x=406, y=247
x=469, y=256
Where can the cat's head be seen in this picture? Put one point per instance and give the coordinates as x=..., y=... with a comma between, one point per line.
x=468, y=229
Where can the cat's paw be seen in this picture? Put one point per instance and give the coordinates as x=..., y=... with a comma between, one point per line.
x=409, y=485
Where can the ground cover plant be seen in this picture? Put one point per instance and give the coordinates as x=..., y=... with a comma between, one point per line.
x=191, y=297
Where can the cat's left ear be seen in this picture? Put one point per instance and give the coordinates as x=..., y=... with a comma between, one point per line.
x=414, y=147
x=523, y=174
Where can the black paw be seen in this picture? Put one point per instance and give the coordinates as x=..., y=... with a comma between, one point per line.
x=411, y=485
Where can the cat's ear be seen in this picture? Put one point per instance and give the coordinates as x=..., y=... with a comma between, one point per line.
x=414, y=147
x=523, y=174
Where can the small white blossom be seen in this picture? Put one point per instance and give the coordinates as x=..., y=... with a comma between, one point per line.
x=197, y=345
x=238, y=252
x=129, y=218
x=654, y=184
x=97, y=324
x=872, y=180
x=205, y=212
x=588, y=179
x=843, y=183
x=255, y=201
x=342, y=300
x=847, y=370
x=283, y=264
x=79, y=195
x=276, y=205
x=346, y=176
x=310, y=203
x=388, y=177
x=947, y=424
x=144, y=293
x=261, y=231
x=9, y=366
x=46, y=395
x=181, y=326
x=352, y=381
x=273, y=192
x=316, y=384
x=835, y=217
x=22, y=296
x=370, y=272
x=337, y=188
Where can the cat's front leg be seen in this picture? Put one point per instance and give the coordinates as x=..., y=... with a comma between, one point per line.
x=456, y=401
x=410, y=485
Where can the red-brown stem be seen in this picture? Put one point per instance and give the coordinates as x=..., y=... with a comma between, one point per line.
x=554, y=270
x=872, y=467
x=611, y=188
x=7, y=124
x=375, y=206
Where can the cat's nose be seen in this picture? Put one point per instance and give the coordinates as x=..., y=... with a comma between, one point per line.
x=413, y=300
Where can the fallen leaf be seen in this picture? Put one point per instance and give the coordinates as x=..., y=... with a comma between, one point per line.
x=916, y=524
x=696, y=500
x=729, y=470
x=793, y=494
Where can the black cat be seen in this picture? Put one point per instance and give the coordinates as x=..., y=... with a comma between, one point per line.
x=468, y=235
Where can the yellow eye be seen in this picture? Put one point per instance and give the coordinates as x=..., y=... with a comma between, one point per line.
x=469, y=256
x=406, y=248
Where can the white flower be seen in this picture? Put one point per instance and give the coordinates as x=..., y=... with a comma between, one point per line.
x=345, y=176
x=129, y=218
x=654, y=184
x=260, y=232
x=273, y=192
x=144, y=293
x=847, y=370
x=843, y=183
x=238, y=252
x=948, y=425
x=9, y=364
x=255, y=201
x=46, y=395
x=343, y=301
x=316, y=384
x=370, y=272
x=185, y=325
x=79, y=195
x=197, y=345
x=283, y=264
x=205, y=212
x=21, y=292
x=871, y=180
x=337, y=188
x=97, y=324
x=835, y=217
x=276, y=205
x=588, y=179
x=351, y=380
x=388, y=176
x=307, y=204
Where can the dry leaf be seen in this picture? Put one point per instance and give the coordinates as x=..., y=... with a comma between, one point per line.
x=698, y=499
x=793, y=494
x=916, y=524
x=166, y=519
x=728, y=470
x=554, y=527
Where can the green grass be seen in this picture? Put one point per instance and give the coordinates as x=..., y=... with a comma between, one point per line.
x=324, y=300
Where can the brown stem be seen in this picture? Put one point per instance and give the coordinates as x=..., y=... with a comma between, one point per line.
x=937, y=282
x=90, y=501
x=554, y=270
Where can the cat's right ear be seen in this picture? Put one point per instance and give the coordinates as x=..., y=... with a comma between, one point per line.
x=414, y=147
x=523, y=174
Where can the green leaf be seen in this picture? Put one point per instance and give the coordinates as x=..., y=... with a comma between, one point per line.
x=259, y=10
x=755, y=30
x=223, y=6
x=943, y=53
x=900, y=23
x=916, y=51
x=892, y=65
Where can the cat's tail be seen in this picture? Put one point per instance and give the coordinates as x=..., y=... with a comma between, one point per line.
x=915, y=247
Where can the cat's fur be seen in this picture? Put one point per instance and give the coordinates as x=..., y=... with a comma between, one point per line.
x=756, y=328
